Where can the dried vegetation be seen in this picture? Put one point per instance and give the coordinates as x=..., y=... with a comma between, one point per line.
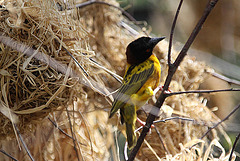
x=34, y=89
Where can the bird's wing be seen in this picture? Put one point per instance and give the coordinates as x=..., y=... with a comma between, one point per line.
x=134, y=79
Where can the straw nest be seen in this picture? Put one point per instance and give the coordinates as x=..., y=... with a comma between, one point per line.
x=51, y=84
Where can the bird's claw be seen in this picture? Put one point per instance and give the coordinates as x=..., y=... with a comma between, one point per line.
x=160, y=88
x=143, y=124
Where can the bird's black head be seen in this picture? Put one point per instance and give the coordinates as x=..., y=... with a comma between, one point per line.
x=141, y=49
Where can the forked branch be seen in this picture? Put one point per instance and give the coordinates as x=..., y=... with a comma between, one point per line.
x=227, y=117
x=171, y=71
x=202, y=91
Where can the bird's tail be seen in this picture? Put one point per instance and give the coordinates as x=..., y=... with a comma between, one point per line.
x=131, y=137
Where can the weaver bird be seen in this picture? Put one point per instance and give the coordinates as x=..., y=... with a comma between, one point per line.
x=141, y=77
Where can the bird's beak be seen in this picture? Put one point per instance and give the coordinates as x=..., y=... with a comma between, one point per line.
x=154, y=41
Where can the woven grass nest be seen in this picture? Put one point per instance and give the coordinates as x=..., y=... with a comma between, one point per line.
x=39, y=79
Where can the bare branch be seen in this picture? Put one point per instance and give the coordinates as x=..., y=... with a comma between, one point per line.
x=222, y=77
x=234, y=146
x=125, y=13
x=2, y=151
x=172, y=31
x=202, y=91
x=75, y=60
x=62, y=131
x=73, y=134
x=86, y=126
x=171, y=72
x=87, y=3
x=161, y=140
x=230, y=114
x=173, y=118
x=23, y=143
x=114, y=75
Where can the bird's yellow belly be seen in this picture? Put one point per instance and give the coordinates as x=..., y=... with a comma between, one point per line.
x=146, y=92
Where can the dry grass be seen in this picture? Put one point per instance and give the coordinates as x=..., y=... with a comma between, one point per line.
x=33, y=88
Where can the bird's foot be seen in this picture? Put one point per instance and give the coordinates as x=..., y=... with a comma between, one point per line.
x=160, y=88
x=143, y=124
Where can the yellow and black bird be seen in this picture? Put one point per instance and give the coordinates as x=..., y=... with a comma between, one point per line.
x=142, y=76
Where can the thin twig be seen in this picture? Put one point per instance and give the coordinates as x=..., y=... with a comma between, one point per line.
x=234, y=146
x=202, y=91
x=74, y=124
x=2, y=151
x=172, y=118
x=62, y=131
x=164, y=120
x=125, y=13
x=117, y=77
x=73, y=136
x=172, y=31
x=171, y=72
x=230, y=114
x=161, y=140
x=87, y=3
x=75, y=60
x=85, y=124
x=222, y=77
x=24, y=145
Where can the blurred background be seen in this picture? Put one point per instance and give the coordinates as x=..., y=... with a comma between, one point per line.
x=217, y=44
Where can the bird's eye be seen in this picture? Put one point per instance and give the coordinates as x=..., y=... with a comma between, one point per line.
x=148, y=50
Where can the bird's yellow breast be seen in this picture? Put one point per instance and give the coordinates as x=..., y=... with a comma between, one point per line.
x=146, y=91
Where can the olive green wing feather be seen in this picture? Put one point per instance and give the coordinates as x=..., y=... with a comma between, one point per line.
x=134, y=79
